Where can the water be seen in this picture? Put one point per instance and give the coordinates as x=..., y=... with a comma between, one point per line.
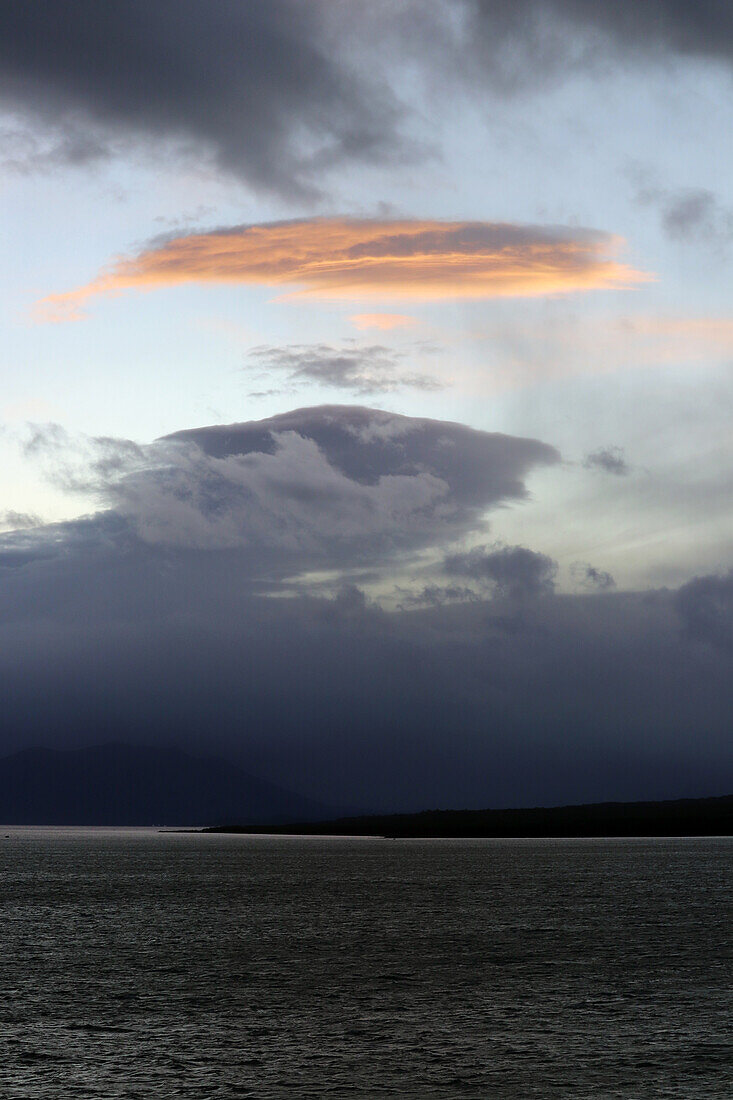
x=135, y=964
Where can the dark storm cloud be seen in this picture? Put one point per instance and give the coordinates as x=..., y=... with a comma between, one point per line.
x=514, y=571
x=151, y=622
x=257, y=87
x=276, y=93
x=587, y=698
x=360, y=369
x=609, y=459
x=705, y=605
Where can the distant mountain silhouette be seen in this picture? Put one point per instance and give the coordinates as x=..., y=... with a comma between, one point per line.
x=120, y=784
x=681, y=817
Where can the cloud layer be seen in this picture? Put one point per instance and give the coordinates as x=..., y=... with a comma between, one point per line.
x=257, y=89
x=335, y=258
x=577, y=699
x=277, y=94
x=148, y=620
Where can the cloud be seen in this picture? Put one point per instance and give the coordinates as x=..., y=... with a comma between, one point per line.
x=587, y=698
x=511, y=46
x=360, y=369
x=325, y=487
x=513, y=571
x=278, y=94
x=70, y=145
x=697, y=214
x=17, y=521
x=591, y=579
x=264, y=393
x=705, y=606
x=693, y=215
x=149, y=620
x=335, y=483
x=335, y=258
x=257, y=89
x=609, y=459
x=81, y=464
x=383, y=321
x=435, y=595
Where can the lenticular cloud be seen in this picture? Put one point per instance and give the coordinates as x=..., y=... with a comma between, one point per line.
x=356, y=259
x=329, y=487
x=330, y=483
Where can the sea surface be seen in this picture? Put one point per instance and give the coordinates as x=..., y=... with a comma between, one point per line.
x=142, y=964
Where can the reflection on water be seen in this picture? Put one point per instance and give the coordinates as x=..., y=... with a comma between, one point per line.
x=138, y=964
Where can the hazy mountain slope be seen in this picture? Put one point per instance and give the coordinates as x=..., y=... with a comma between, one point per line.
x=120, y=784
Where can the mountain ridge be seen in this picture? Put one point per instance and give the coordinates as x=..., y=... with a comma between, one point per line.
x=126, y=784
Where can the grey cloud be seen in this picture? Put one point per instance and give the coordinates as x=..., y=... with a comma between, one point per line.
x=82, y=464
x=510, y=47
x=515, y=44
x=472, y=237
x=688, y=214
x=609, y=459
x=514, y=571
x=45, y=438
x=696, y=215
x=26, y=151
x=590, y=578
x=186, y=219
x=257, y=88
x=360, y=369
x=278, y=93
x=330, y=486
x=16, y=521
x=70, y=544
x=435, y=595
x=705, y=606
x=114, y=456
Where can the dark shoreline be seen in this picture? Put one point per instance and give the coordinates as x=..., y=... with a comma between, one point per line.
x=678, y=817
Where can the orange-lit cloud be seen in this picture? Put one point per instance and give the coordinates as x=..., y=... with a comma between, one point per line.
x=343, y=258
x=383, y=321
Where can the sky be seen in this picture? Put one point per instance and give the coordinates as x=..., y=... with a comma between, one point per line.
x=367, y=376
